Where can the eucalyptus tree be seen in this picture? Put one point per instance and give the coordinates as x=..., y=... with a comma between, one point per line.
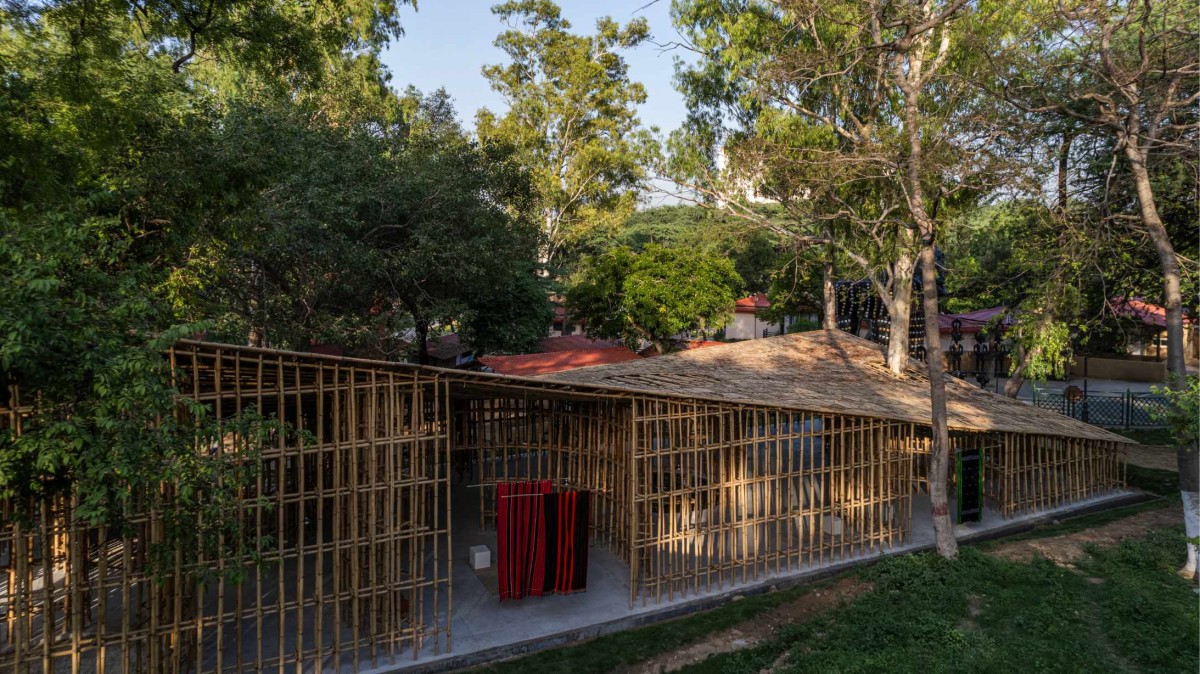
x=1124, y=72
x=1127, y=71
x=805, y=107
x=863, y=113
x=572, y=116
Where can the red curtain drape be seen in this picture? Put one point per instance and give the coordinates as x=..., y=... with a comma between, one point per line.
x=567, y=519
x=521, y=538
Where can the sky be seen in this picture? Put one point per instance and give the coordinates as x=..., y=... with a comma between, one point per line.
x=447, y=43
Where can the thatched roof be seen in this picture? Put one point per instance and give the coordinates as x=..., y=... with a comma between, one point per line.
x=824, y=371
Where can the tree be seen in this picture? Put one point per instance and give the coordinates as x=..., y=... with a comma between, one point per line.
x=653, y=295
x=794, y=135
x=268, y=35
x=572, y=116
x=1127, y=72
x=358, y=237
x=95, y=95
x=797, y=287
x=863, y=113
x=458, y=245
x=754, y=252
x=1033, y=260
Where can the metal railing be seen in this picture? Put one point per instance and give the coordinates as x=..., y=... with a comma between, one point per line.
x=1116, y=410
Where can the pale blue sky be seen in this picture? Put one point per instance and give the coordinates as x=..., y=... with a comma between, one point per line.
x=447, y=42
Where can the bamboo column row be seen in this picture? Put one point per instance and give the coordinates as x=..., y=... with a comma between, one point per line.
x=1036, y=472
x=344, y=559
x=1027, y=473
x=728, y=494
x=576, y=444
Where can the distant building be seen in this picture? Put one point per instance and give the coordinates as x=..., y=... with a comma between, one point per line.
x=1151, y=342
x=745, y=185
x=534, y=364
x=748, y=322
x=449, y=351
x=971, y=323
x=564, y=324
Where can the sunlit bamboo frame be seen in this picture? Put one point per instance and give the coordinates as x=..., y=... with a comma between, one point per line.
x=696, y=495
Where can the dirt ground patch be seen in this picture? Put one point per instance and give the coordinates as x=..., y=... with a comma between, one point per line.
x=1067, y=548
x=1159, y=457
x=757, y=629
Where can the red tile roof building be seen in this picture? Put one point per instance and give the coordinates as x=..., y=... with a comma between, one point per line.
x=533, y=364
x=752, y=304
x=1139, y=310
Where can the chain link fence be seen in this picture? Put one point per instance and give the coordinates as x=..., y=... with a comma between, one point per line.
x=1115, y=410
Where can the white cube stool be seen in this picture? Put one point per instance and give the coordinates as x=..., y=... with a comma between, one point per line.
x=832, y=524
x=481, y=557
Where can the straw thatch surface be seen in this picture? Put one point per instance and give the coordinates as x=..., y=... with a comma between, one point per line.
x=824, y=371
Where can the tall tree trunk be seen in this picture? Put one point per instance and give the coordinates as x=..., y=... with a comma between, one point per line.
x=421, y=331
x=939, y=468
x=546, y=251
x=900, y=313
x=1064, y=158
x=1016, y=380
x=1189, y=468
x=910, y=83
x=257, y=333
x=1189, y=480
x=1172, y=296
x=828, y=293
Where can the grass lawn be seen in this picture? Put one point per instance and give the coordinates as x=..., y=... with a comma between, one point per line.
x=1121, y=610
x=1161, y=482
x=1118, y=610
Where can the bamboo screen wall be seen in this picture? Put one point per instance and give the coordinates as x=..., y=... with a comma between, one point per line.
x=575, y=443
x=352, y=526
x=352, y=516
x=1027, y=473
x=728, y=493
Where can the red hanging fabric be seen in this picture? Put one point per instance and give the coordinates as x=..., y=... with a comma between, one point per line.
x=567, y=521
x=521, y=538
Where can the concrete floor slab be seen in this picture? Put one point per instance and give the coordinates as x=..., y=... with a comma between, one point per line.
x=485, y=629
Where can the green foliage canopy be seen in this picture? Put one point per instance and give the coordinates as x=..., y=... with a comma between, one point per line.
x=146, y=197
x=652, y=295
x=572, y=117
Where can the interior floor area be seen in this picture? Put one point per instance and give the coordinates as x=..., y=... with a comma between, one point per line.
x=485, y=629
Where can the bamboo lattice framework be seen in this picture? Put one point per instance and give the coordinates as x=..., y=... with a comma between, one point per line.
x=351, y=514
